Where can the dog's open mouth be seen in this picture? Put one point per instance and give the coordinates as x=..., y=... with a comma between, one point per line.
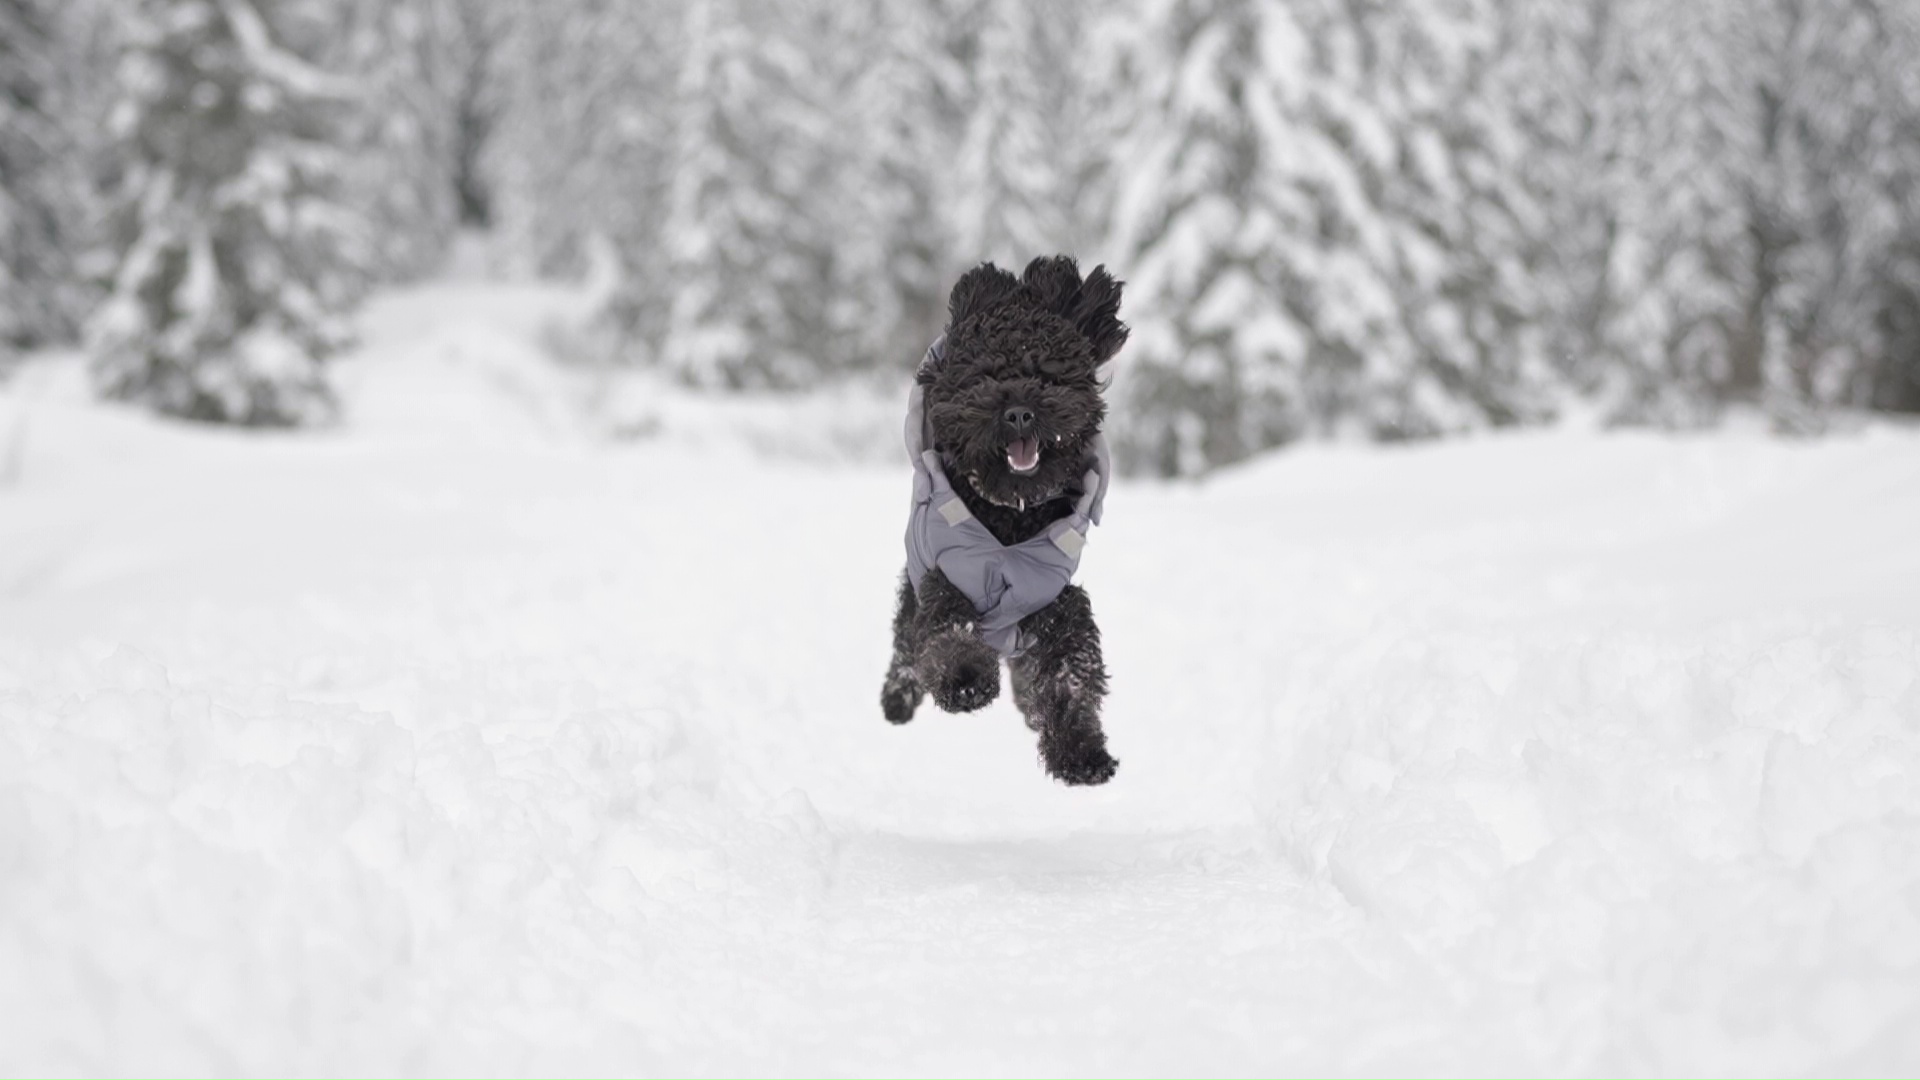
x=1023, y=455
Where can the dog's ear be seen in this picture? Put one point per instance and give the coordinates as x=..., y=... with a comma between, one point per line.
x=1053, y=281
x=1096, y=314
x=977, y=290
x=1092, y=306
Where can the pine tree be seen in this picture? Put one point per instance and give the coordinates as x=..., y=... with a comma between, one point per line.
x=1893, y=383
x=1745, y=226
x=1453, y=218
x=719, y=316
x=904, y=109
x=1324, y=229
x=1214, y=367
x=1567, y=74
x=1028, y=158
x=476, y=34
x=864, y=175
x=37, y=293
x=235, y=259
x=1821, y=210
x=583, y=146
x=398, y=168
x=929, y=114
x=759, y=254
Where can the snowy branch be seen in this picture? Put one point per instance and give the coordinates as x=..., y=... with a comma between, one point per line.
x=290, y=71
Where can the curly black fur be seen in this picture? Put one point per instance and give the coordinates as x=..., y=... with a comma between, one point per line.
x=1029, y=345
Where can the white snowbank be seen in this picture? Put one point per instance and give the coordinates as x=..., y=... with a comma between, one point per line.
x=453, y=741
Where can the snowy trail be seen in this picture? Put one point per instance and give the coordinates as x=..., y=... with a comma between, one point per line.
x=480, y=748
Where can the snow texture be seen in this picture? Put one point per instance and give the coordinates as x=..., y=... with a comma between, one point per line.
x=455, y=741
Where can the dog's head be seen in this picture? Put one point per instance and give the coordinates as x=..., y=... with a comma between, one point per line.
x=1016, y=401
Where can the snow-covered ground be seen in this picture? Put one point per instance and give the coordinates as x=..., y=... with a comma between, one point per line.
x=469, y=739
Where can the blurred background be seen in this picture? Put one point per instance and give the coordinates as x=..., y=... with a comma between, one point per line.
x=1336, y=217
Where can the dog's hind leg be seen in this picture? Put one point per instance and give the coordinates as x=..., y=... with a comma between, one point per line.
x=961, y=671
x=1059, y=684
x=1023, y=693
x=900, y=695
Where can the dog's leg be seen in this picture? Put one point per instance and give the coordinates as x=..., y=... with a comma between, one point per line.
x=957, y=668
x=1023, y=693
x=1059, y=684
x=900, y=695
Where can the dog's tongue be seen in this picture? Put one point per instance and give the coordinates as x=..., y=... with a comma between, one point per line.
x=1023, y=455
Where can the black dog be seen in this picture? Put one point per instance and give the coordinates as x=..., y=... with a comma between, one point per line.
x=1014, y=407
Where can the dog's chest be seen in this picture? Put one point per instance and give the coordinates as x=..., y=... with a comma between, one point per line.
x=1014, y=525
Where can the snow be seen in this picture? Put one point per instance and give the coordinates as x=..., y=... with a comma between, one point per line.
x=466, y=739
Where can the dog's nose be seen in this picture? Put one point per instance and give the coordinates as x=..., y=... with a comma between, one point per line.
x=1019, y=418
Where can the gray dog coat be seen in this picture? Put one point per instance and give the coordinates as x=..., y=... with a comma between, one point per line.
x=1006, y=583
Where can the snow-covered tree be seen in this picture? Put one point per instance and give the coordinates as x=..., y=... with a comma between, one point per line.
x=905, y=107
x=398, y=166
x=1822, y=210
x=434, y=85
x=235, y=258
x=722, y=215
x=1894, y=380
x=1681, y=148
x=1335, y=216
x=1323, y=229
x=37, y=287
x=766, y=239
x=476, y=35
x=793, y=187
x=1570, y=74
x=1718, y=214
x=1466, y=349
x=582, y=144
x=1215, y=366
x=878, y=158
x=1032, y=147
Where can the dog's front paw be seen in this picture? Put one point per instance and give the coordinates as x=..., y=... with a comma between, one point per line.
x=900, y=697
x=961, y=671
x=1077, y=756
